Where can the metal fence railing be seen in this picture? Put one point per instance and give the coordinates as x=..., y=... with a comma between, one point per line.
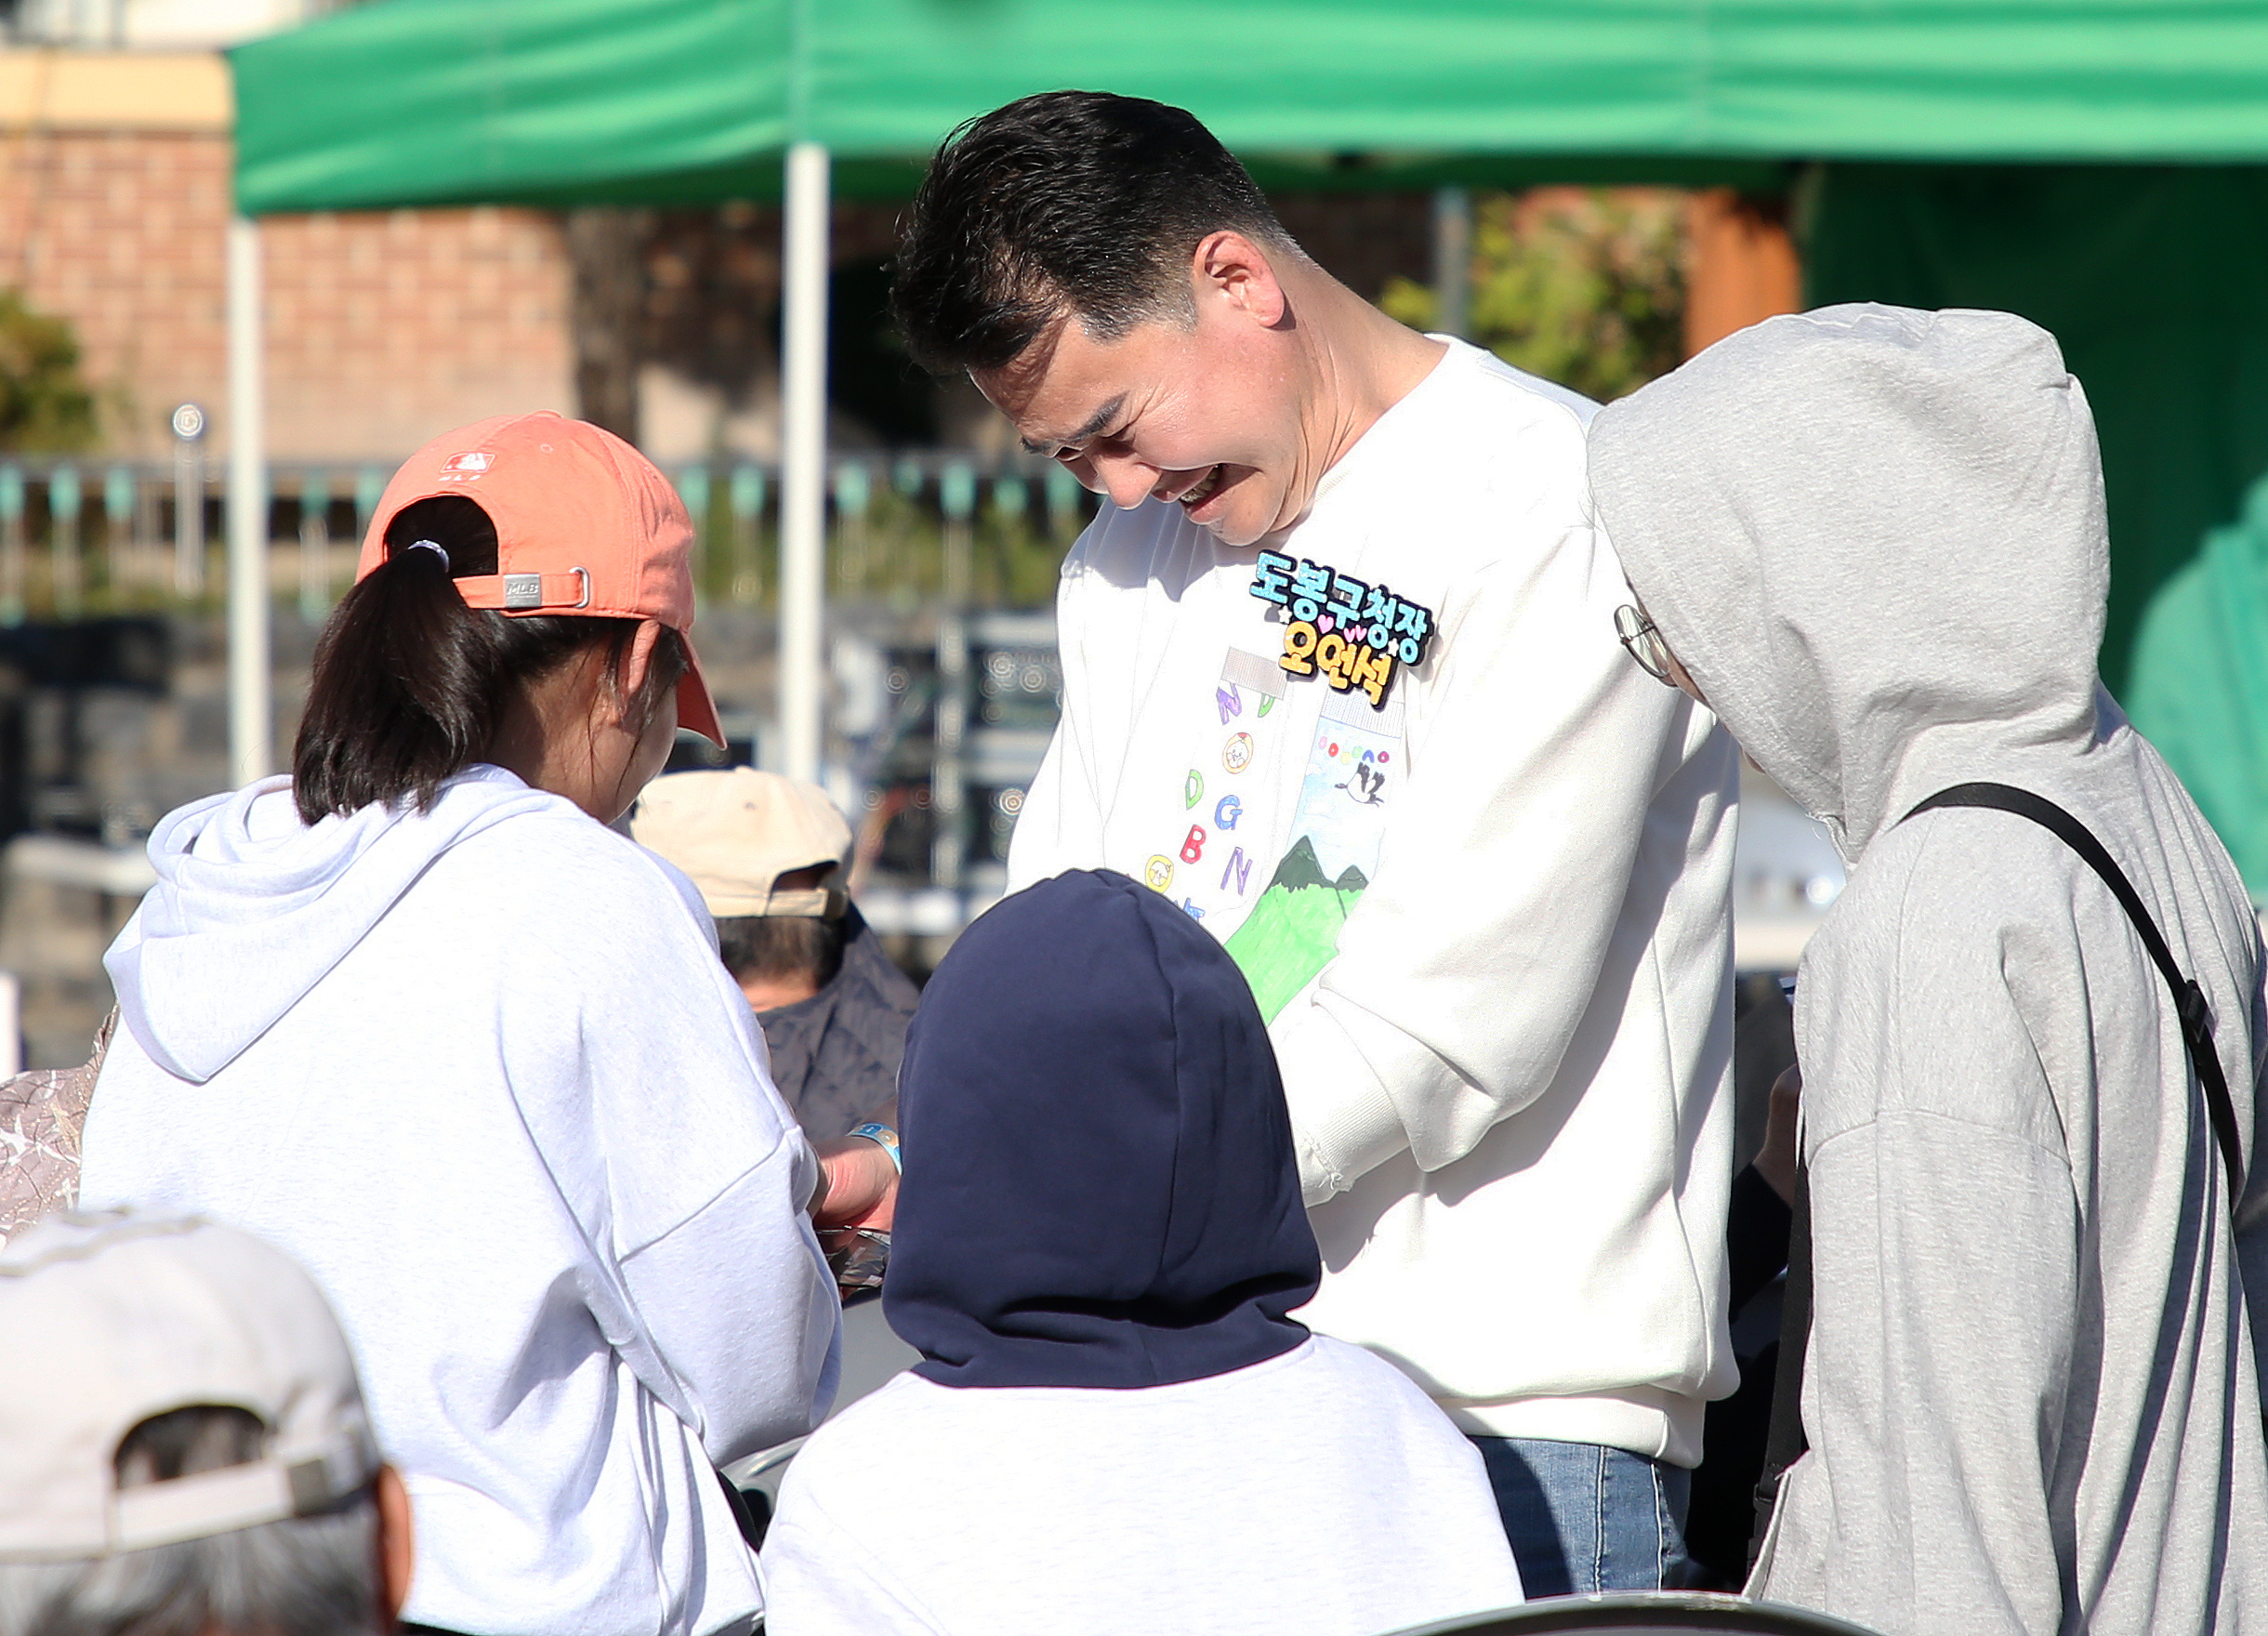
x=88, y=536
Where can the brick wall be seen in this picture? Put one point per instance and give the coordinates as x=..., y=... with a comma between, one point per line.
x=119, y=232
x=383, y=329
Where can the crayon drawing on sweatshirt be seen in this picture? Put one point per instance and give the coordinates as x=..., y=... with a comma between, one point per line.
x=1226, y=796
x=1354, y=767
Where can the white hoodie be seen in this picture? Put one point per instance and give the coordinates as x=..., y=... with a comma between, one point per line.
x=1114, y=1429
x=1318, y=1492
x=480, y=1071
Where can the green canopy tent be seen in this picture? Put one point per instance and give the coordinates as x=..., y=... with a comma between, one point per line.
x=560, y=102
x=2152, y=277
x=575, y=101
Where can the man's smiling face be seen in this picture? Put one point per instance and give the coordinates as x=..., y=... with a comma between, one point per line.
x=1205, y=415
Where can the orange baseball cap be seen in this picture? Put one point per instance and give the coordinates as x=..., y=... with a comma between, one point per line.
x=584, y=525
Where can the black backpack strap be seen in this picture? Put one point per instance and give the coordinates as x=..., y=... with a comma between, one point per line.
x=2188, y=999
x=1785, y=1442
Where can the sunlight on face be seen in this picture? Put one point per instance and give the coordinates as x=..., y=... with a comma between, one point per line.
x=1205, y=415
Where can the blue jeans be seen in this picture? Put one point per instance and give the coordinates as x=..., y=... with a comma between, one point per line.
x=1584, y=1519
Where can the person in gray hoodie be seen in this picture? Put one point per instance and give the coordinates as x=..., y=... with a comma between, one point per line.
x=1874, y=540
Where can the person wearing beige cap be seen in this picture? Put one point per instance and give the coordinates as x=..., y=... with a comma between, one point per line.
x=182, y=1441
x=418, y=1016
x=766, y=854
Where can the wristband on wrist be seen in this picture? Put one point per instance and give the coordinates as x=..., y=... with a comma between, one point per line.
x=883, y=1137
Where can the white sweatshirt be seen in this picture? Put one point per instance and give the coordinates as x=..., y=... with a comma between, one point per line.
x=1317, y=1492
x=1489, y=921
x=481, y=1072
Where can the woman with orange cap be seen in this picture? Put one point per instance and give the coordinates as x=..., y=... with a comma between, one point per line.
x=417, y=1014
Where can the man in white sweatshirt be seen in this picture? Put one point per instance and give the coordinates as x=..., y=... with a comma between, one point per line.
x=1341, y=682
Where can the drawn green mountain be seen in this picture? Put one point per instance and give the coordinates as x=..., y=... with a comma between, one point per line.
x=1293, y=930
x=1300, y=867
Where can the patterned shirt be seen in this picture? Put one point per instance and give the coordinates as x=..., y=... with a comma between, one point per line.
x=42, y=1116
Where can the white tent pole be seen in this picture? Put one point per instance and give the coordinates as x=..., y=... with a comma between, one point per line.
x=803, y=459
x=251, y=752
x=1452, y=261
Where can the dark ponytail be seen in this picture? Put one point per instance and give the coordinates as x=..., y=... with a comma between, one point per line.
x=411, y=685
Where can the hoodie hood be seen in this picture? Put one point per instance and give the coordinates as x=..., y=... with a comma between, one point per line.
x=1875, y=538
x=1099, y=1184
x=252, y=907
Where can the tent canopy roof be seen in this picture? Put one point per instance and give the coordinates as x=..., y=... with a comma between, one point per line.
x=588, y=101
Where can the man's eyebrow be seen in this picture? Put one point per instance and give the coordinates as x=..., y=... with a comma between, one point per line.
x=1095, y=423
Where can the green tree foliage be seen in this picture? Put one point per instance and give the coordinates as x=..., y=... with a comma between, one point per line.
x=44, y=406
x=1584, y=288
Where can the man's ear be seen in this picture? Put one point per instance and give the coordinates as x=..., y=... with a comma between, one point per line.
x=397, y=1544
x=1228, y=266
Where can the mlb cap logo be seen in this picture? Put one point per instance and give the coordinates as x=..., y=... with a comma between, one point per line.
x=473, y=461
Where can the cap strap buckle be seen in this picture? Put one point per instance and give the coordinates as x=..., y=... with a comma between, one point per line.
x=526, y=593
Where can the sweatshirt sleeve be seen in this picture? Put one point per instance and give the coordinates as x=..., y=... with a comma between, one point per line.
x=753, y=1373
x=1465, y=970
x=640, y=1072
x=1945, y=1272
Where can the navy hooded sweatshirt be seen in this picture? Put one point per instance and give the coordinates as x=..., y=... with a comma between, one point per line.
x=1116, y=1423
x=1085, y=1061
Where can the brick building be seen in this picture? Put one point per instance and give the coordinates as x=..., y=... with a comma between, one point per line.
x=382, y=329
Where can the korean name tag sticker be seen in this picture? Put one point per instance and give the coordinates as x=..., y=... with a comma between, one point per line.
x=1353, y=635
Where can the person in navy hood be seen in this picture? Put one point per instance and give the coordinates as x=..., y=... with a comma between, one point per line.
x=1116, y=1423
x=1107, y=1193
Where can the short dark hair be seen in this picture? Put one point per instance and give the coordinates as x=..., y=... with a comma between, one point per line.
x=1070, y=202
x=783, y=946
x=305, y=1575
x=409, y=684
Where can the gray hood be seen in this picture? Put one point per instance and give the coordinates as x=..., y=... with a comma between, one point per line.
x=252, y=907
x=1876, y=539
